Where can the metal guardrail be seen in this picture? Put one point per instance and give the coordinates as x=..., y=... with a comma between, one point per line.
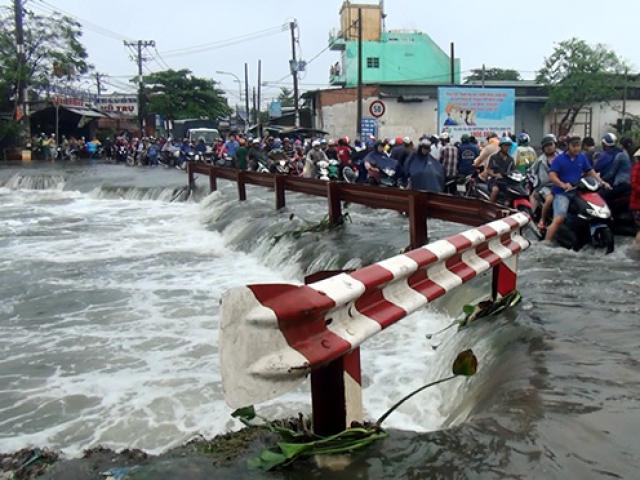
x=273, y=335
x=419, y=206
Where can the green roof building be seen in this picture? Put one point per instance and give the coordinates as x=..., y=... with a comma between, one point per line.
x=388, y=57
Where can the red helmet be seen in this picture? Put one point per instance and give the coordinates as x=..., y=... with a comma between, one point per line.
x=398, y=140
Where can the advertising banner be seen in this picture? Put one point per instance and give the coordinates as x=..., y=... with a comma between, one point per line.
x=125, y=105
x=476, y=111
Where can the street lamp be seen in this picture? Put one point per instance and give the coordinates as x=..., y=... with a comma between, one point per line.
x=237, y=80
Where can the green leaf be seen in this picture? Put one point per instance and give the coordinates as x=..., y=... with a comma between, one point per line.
x=292, y=450
x=468, y=309
x=245, y=413
x=267, y=460
x=465, y=364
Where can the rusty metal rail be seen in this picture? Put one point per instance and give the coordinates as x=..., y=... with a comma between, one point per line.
x=419, y=206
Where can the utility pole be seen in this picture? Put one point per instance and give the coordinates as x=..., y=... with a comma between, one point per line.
x=453, y=64
x=259, y=97
x=22, y=107
x=255, y=111
x=246, y=97
x=99, y=88
x=483, y=74
x=359, y=106
x=294, y=72
x=139, y=45
x=624, y=99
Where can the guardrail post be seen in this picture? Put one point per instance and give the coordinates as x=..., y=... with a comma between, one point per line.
x=417, y=223
x=278, y=186
x=335, y=207
x=191, y=180
x=505, y=277
x=336, y=388
x=213, y=185
x=242, y=191
x=336, y=395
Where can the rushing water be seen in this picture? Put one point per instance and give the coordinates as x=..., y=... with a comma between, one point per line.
x=110, y=284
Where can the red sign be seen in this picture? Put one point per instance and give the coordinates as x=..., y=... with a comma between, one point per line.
x=377, y=108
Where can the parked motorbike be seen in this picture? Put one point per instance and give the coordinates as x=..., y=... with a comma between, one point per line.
x=587, y=220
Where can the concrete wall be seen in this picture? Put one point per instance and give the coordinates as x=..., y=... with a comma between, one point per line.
x=403, y=58
x=603, y=116
x=400, y=119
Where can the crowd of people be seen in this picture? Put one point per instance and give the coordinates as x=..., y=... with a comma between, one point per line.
x=47, y=147
x=433, y=163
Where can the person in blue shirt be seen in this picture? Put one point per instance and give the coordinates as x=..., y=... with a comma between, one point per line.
x=467, y=153
x=422, y=171
x=566, y=170
x=613, y=165
x=381, y=168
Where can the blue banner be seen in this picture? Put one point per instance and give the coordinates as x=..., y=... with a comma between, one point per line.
x=476, y=111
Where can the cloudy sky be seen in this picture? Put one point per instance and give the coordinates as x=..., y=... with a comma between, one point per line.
x=506, y=33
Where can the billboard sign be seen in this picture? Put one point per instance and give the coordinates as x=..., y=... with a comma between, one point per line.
x=125, y=105
x=476, y=111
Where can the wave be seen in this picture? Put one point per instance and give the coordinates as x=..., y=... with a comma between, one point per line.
x=21, y=181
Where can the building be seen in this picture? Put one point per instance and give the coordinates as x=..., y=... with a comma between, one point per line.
x=388, y=57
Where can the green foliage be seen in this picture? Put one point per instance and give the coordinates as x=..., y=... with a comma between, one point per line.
x=322, y=226
x=493, y=74
x=579, y=74
x=300, y=442
x=177, y=94
x=53, y=51
x=286, y=97
x=465, y=364
x=489, y=308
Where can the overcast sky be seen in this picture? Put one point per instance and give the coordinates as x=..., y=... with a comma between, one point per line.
x=501, y=33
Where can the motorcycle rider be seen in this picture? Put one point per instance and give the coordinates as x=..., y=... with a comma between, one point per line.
x=525, y=154
x=501, y=164
x=315, y=155
x=467, y=153
x=540, y=169
x=614, y=166
x=449, y=159
x=378, y=163
x=566, y=170
x=422, y=171
x=490, y=149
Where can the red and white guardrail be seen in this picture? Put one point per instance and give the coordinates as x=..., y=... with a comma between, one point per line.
x=273, y=335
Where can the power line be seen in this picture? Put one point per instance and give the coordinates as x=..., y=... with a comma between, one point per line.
x=224, y=43
x=86, y=23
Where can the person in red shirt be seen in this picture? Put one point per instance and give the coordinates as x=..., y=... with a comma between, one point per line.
x=634, y=201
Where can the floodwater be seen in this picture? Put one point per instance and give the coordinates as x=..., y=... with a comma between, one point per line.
x=110, y=286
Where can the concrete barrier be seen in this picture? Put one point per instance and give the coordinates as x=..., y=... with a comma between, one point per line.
x=273, y=335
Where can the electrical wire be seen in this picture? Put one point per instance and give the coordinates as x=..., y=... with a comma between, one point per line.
x=49, y=8
x=224, y=43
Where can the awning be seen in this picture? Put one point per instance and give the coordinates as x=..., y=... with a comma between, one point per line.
x=85, y=112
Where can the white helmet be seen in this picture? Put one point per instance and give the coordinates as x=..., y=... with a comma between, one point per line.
x=316, y=143
x=444, y=136
x=406, y=140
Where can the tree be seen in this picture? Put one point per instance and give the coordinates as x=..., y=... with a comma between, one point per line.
x=52, y=51
x=578, y=74
x=493, y=74
x=177, y=94
x=286, y=97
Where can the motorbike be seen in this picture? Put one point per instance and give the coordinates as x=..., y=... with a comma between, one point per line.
x=588, y=219
x=350, y=174
x=515, y=195
x=282, y=167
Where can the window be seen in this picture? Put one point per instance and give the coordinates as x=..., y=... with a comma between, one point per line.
x=373, y=62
